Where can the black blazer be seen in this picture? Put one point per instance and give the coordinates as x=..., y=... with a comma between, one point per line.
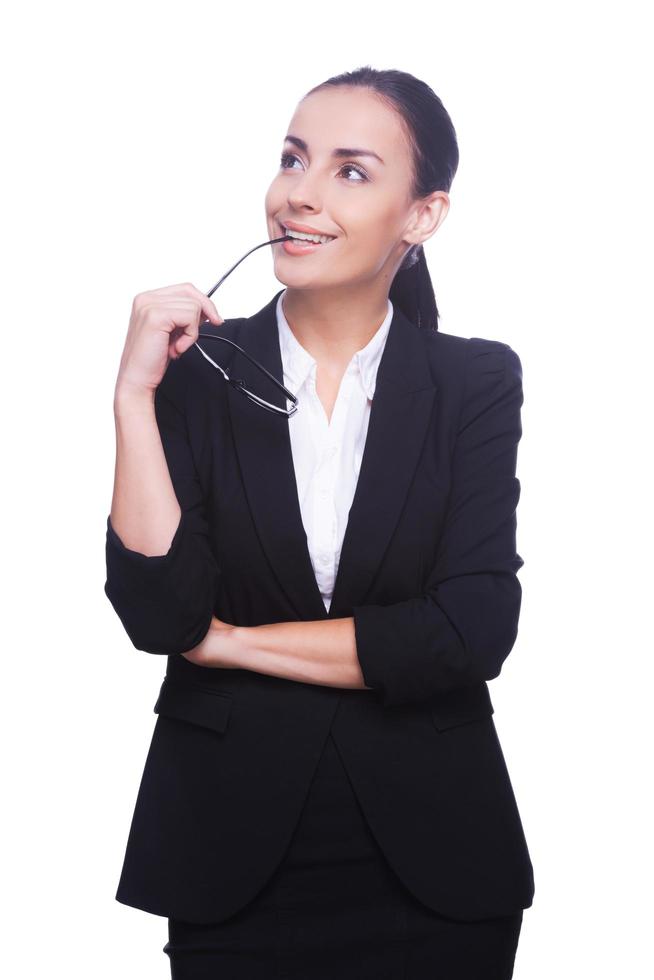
x=428, y=569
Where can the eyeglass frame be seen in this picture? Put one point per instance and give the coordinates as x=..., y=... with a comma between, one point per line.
x=238, y=383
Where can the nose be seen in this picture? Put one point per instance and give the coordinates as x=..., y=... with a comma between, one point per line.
x=304, y=195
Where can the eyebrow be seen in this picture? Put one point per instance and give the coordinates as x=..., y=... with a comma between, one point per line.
x=340, y=151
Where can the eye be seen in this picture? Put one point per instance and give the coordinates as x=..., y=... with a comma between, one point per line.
x=351, y=166
x=288, y=157
x=285, y=158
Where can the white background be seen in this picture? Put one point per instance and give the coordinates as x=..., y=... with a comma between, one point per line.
x=139, y=141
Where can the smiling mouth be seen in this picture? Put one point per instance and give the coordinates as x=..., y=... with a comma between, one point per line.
x=295, y=237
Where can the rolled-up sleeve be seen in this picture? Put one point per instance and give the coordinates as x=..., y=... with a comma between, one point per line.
x=462, y=627
x=166, y=602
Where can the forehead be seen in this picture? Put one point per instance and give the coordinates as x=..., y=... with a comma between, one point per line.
x=350, y=116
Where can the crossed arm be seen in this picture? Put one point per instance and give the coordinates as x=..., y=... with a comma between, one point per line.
x=316, y=652
x=458, y=631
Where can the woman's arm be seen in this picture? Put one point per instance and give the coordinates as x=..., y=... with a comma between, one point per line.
x=145, y=511
x=316, y=652
x=462, y=627
x=162, y=576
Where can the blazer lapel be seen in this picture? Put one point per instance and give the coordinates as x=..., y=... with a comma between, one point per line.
x=405, y=393
x=263, y=446
x=400, y=413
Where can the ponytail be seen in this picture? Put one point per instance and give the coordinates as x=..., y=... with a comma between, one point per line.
x=412, y=291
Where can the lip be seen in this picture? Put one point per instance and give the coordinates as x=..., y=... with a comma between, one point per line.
x=295, y=226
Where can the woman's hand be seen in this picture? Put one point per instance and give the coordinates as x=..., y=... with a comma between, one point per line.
x=163, y=324
x=217, y=649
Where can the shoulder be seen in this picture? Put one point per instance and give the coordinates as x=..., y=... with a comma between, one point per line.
x=478, y=378
x=471, y=360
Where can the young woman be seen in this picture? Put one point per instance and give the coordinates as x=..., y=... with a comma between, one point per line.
x=325, y=794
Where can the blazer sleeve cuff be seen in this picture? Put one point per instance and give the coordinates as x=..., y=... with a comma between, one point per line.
x=407, y=651
x=142, y=574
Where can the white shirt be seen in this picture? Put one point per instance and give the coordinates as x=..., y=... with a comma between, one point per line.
x=327, y=455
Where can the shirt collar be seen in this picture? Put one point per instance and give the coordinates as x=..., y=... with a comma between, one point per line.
x=298, y=362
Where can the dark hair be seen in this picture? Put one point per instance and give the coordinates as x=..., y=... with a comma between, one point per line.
x=435, y=152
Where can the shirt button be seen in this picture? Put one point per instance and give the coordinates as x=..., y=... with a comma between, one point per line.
x=324, y=493
x=324, y=559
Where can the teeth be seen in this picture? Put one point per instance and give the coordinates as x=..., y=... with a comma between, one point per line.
x=321, y=239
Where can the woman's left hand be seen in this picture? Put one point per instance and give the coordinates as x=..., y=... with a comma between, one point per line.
x=217, y=649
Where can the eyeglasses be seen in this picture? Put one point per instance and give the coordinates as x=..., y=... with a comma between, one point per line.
x=238, y=383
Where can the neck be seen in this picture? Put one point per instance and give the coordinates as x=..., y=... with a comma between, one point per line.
x=333, y=324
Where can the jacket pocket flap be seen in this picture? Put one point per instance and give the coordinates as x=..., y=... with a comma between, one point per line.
x=462, y=705
x=197, y=705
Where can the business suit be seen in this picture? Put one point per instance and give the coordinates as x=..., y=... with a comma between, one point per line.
x=428, y=569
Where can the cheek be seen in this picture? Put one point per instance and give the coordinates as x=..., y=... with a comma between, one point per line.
x=372, y=236
x=371, y=218
x=273, y=199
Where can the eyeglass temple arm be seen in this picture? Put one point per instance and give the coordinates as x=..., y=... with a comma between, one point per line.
x=235, y=381
x=272, y=241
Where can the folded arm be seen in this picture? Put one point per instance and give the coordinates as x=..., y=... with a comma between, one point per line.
x=463, y=626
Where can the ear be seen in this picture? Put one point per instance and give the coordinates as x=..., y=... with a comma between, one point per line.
x=430, y=213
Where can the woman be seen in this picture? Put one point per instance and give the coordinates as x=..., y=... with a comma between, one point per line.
x=325, y=793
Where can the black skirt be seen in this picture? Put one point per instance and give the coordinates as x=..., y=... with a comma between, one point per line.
x=335, y=910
